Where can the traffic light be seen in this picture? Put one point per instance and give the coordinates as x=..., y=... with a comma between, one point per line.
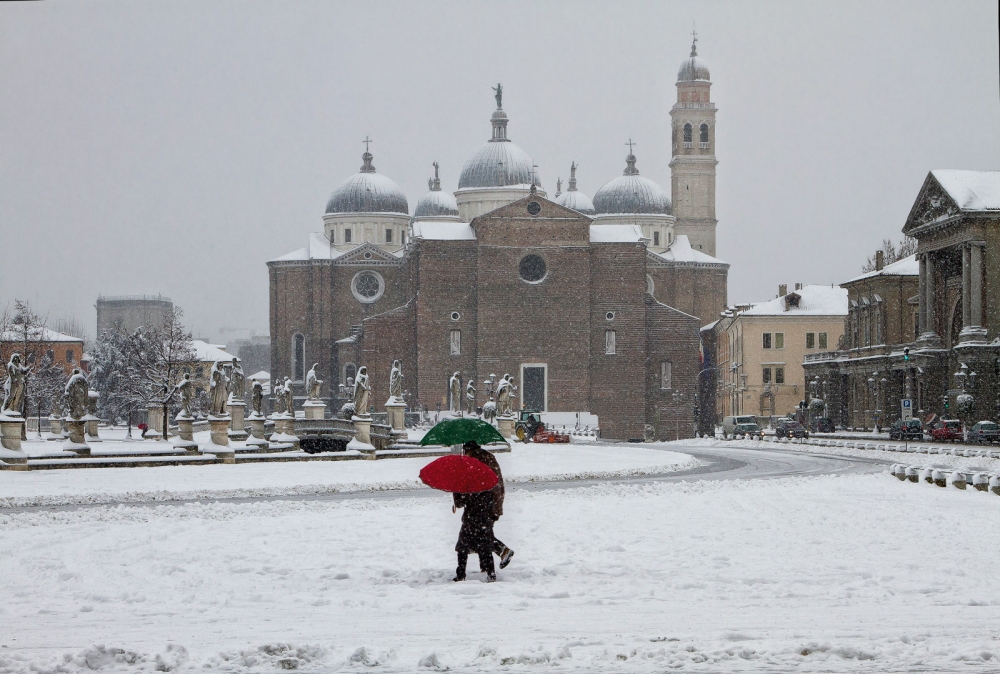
x=906, y=354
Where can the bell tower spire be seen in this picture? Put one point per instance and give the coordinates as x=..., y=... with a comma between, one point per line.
x=692, y=167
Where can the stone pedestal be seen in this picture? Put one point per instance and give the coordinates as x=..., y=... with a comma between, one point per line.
x=154, y=421
x=396, y=411
x=362, y=441
x=256, y=438
x=186, y=441
x=237, y=429
x=76, y=442
x=506, y=426
x=284, y=430
x=90, y=428
x=12, y=457
x=220, y=439
x=55, y=426
x=314, y=409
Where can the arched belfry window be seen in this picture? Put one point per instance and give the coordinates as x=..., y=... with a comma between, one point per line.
x=703, y=137
x=687, y=133
x=298, y=357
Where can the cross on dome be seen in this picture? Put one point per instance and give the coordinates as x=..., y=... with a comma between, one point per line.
x=694, y=41
x=366, y=158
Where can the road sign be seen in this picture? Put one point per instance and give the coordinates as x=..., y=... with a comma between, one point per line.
x=906, y=405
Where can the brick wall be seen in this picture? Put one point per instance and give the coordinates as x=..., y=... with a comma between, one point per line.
x=671, y=335
x=385, y=338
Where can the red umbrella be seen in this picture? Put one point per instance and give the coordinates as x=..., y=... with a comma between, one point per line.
x=459, y=474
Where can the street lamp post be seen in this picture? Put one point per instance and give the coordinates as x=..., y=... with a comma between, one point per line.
x=965, y=400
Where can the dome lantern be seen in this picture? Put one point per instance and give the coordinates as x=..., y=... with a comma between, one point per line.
x=574, y=199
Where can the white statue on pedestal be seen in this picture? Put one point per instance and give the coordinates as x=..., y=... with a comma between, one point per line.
x=313, y=383
x=257, y=396
x=237, y=383
x=286, y=397
x=396, y=381
x=186, y=388
x=78, y=394
x=362, y=392
x=455, y=385
x=14, y=388
x=218, y=390
x=470, y=397
x=503, y=396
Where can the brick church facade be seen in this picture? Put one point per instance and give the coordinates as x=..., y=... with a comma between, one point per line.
x=592, y=306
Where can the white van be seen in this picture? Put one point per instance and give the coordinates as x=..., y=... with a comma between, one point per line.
x=744, y=425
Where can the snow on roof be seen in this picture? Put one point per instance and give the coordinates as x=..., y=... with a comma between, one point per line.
x=681, y=251
x=971, y=190
x=443, y=230
x=616, y=234
x=263, y=375
x=813, y=301
x=319, y=248
x=908, y=266
x=38, y=335
x=709, y=326
x=205, y=352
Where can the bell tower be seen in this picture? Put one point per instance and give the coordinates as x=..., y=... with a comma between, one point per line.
x=692, y=167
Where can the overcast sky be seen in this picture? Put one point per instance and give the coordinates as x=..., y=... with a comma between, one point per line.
x=175, y=147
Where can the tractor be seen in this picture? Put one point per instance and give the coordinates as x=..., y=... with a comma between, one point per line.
x=529, y=428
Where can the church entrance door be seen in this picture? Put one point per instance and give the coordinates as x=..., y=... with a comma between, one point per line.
x=533, y=384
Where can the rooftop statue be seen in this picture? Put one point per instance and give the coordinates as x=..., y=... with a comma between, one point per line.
x=499, y=94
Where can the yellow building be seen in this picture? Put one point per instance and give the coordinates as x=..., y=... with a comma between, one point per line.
x=760, y=349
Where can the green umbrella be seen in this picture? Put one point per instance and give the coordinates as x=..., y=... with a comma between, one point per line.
x=461, y=431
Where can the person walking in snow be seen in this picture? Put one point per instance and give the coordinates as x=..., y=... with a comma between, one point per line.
x=482, y=510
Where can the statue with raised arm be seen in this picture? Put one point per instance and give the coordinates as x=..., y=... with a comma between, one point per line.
x=498, y=89
x=362, y=392
x=77, y=394
x=218, y=390
x=396, y=381
x=313, y=383
x=15, y=386
x=470, y=397
x=256, y=397
x=237, y=383
x=186, y=389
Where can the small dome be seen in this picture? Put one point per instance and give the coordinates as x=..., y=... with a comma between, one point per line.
x=571, y=198
x=499, y=162
x=436, y=204
x=631, y=193
x=693, y=69
x=368, y=192
x=578, y=201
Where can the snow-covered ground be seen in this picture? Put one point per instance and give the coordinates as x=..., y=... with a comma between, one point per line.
x=525, y=463
x=857, y=573
x=942, y=459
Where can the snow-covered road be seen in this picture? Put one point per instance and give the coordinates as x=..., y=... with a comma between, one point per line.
x=822, y=568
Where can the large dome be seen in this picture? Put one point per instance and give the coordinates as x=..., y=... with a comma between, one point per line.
x=499, y=162
x=693, y=69
x=368, y=192
x=631, y=193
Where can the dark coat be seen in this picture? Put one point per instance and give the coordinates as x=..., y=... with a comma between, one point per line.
x=476, y=534
x=498, y=491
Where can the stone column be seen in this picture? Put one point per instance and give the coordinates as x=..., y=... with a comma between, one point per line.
x=928, y=337
x=362, y=441
x=55, y=426
x=395, y=409
x=966, y=290
x=154, y=421
x=76, y=442
x=505, y=425
x=972, y=294
x=922, y=296
x=220, y=439
x=314, y=409
x=256, y=438
x=186, y=441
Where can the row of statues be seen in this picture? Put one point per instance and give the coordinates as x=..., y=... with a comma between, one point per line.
x=76, y=393
x=505, y=391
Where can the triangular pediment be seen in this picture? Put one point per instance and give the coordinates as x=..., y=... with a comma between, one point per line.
x=366, y=254
x=933, y=205
x=522, y=209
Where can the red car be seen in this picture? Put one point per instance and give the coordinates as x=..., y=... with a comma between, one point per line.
x=947, y=430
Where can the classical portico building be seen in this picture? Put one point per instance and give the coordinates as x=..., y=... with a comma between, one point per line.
x=591, y=305
x=915, y=323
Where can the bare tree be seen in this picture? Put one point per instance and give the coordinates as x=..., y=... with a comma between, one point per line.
x=157, y=360
x=892, y=252
x=113, y=373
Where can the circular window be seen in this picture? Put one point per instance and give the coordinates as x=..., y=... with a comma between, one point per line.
x=531, y=269
x=455, y=315
x=368, y=256
x=367, y=286
x=534, y=207
x=610, y=315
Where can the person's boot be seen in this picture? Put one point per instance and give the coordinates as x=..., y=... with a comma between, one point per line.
x=459, y=577
x=463, y=559
x=491, y=578
x=505, y=557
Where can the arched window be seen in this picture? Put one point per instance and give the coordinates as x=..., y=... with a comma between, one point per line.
x=349, y=372
x=298, y=357
x=687, y=133
x=704, y=133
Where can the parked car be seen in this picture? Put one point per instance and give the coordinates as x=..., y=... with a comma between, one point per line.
x=984, y=433
x=789, y=428
x=911, y=429
x=823, y=425
x=729, y=424
x=748, y=431
x=946, y=430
